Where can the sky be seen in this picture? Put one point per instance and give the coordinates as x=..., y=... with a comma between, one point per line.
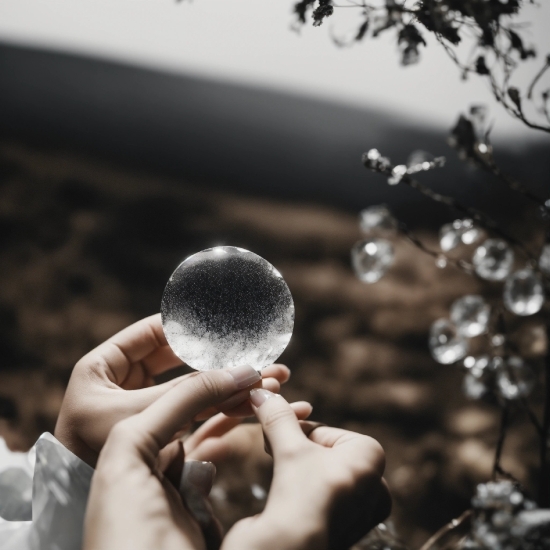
x=251, y=42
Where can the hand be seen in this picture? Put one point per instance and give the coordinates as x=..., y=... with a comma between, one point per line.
x=133, y=502
x=327, y=490
x=116, y=380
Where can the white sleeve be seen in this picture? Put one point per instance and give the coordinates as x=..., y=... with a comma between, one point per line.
x=43, y=496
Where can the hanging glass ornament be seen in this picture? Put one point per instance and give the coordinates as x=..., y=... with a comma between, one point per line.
x=377, y=219
x=478, y=379
x=470, y=233
x=493, y=260
x=397, y=174
x=524, y=292
x=474, y=387
x=446, y=345
x=441, y=262
x=449, y=236
x=544, y=260
x=470, y=314
x=514, y=378
x=460, y=231
x=371, y=259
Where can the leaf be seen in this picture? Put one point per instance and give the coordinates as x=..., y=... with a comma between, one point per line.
x=300, y=9
x=362, y=31
x=513, y=94
x=481, y=67
x=323, y=10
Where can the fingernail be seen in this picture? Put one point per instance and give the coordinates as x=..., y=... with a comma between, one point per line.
x=197, y=475
x=259, y=396
x=196, y=481
x=244, y=376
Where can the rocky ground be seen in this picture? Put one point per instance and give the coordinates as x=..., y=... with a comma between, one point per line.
x=86, y=248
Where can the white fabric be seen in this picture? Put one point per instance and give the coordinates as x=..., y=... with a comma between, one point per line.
x=43, y=495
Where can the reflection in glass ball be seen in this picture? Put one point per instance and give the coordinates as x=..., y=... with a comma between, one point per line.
x=225, y=307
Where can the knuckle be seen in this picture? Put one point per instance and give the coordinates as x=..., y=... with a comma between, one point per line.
x=277, y=417
x=372, y=457
x=207, y=384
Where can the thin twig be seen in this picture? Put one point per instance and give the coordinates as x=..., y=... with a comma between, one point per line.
x=481, y=218
x=462, y=265
x=538, y=76
x=544, y=491
x=446, y=529
x=511, y=183
x=504, y=419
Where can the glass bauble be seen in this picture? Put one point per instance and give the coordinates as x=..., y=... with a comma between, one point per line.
x=371, y=259
x=446, y=345
x=470, y=314
x=524, y=292
x=493, y=260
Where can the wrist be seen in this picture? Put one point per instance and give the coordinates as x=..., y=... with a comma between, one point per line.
x=275, y=532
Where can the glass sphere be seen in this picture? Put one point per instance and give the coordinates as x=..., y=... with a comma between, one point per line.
x=449, y=237
x=478, y=379
x=470, y=314
x=225, y=307
x=371, y=259
x=493, y=260
x=514, y=378
x=446, y=345
x=524, y=292
x=377, y=219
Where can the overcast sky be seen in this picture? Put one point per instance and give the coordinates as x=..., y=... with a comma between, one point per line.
x=250, y=41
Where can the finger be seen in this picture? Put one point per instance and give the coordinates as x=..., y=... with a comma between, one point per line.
x=277, y=371
x=198, y=476
x=127, y=347
x=383, y=505
x=302, y=409
x=214, y=427
x=160, y=360
x=278, y=421
x=219, y=425
x=198, y=391
x=213, y=534
x=196, y=482
x=239, y=403
x=367, y=449
x=170, y=462
x=244, y=408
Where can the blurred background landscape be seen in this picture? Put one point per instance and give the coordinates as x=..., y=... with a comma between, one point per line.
x=112, y=170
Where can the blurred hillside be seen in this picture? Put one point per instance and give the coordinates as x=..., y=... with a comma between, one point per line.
x=240, y=138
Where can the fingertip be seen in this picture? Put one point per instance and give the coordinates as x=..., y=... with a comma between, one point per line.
x=258, y=396
x=271, y=384
x=278, y=371
x=303, y=409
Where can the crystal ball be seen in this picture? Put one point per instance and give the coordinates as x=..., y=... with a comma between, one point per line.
x=225, y=307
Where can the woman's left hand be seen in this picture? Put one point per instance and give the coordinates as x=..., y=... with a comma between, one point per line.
x=116, y=380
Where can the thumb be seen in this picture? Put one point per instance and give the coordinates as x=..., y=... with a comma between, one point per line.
x=278, y=420
x=178, y=406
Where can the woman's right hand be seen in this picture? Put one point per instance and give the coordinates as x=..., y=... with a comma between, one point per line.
x=327, y=490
